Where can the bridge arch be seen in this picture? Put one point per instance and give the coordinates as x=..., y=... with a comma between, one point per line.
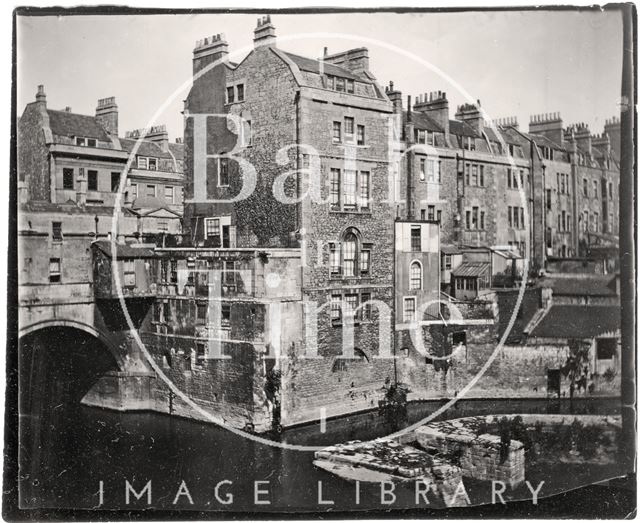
x=72, y=324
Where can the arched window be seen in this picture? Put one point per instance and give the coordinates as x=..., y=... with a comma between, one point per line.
x=350, y=257
x=349, y=254
x=415, y=281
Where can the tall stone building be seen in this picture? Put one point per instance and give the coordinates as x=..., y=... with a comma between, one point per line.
x=318, y=227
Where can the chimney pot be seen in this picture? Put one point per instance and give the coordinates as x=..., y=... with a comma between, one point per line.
x=265, y=33
x=40, y=95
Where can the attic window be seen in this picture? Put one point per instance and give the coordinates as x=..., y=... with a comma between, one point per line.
x=153, y=164
x=340, y=84
x=85, y=142
x=350, y=86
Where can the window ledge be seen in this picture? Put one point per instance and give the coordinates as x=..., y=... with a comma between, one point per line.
x=363, y=212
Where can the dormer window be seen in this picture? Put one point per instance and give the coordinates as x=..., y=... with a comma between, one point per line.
x=350, y=86
x=340, y=84
x=144, y=162
x=85, y=142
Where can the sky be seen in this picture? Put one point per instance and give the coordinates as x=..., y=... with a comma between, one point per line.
x=517, y=63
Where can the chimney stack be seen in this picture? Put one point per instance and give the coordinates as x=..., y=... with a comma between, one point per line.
x=470, y=114
x=436, y=106
x=41, y=97
x=602, y=142
x=265, y=33
x=354, y=60
x=507, y=121
x=107, y=114
x=67, y=109
x=158, y=134
x=548, y=125
x=395, y=97
x=583, y=137
x=209, y=50
x=613, y=131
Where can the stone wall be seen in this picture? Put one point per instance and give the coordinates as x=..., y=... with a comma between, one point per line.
x=480, y=457
x=260, y=219
x=33, y=164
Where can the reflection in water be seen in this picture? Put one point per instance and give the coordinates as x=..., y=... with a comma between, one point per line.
x=87, y=446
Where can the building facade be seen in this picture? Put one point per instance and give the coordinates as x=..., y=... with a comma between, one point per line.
x=330, y=242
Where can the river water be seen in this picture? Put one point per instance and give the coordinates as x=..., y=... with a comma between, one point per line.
x=86, y=456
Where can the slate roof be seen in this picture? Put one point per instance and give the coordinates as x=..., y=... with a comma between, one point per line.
x=578, y=321
x=423, y=121
x=312, y=65
x=595, y=285
x=123, y=250
x=471, y=269
x=450, y=249
x=148, y=202
x=529, y=306
x=177, y=149
x=493, y=136
x=147, y=148
x=543, y=140
x=462, y=129
x=63, y=123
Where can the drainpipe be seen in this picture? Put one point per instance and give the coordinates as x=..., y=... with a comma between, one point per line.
x=532, y=206
x=460, y=182
x=544, y=217
x=296, y=101
x=409, y=143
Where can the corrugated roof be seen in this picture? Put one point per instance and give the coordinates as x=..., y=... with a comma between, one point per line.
x=147, y=148
x=594, y=285
x=123, y=250
x=578, y=321
x=63, y=123
x=511, y=255
x=471, y=269
x=313, y=66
